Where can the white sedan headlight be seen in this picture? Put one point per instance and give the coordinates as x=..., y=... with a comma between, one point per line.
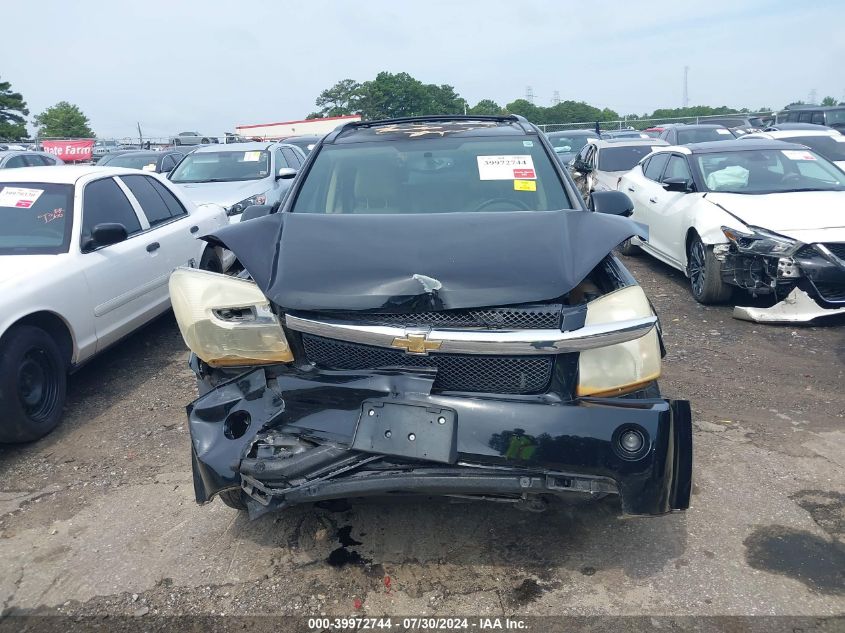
x=240, y=207
x=625, y=367
x=225, y=320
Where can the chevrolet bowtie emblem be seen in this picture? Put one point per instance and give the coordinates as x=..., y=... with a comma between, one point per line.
x=415, y=344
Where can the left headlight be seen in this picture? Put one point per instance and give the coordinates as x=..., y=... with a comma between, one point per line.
x=226, y=321
x=240, y=207
x=625, y=367
x=761, y=242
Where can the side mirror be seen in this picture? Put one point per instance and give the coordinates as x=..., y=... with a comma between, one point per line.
x=678, y=185
x=106, y=234
x=582, y=166
x=612, y=202
x=286, y=173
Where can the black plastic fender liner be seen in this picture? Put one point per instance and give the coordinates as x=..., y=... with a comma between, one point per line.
x=405, y=263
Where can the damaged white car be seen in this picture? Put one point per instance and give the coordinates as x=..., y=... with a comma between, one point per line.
x=764, y=216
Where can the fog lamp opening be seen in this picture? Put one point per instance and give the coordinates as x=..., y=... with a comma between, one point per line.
x=631, y=441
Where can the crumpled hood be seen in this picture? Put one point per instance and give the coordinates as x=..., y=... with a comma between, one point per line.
x=785, y=212
x=407, y=263
x=18, y=270
x=223, y=193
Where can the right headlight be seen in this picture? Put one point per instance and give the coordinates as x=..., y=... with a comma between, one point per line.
x=761, y=241
x=625, y=367
x=225, y=320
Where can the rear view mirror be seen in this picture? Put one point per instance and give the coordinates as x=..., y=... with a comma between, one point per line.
x=107, y=233
x=285, y=173
x=612, y=202
x=679, y=185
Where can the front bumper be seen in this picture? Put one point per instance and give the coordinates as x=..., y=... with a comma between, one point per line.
x=797, y=307
x=511, y=447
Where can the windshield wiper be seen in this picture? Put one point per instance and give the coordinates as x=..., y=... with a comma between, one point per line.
x=807, y=189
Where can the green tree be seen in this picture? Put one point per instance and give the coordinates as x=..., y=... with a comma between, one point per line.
x=394, y=95
x=63, y=120
x=525, y=108
x=12, y=113
x=486, y=107
x=443, y=100
x=829, y=101
x=339, y=100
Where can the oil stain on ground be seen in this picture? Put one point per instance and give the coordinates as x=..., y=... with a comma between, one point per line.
x=527, y=591
x=343, y=555
x=827, y=509
x=816, y=562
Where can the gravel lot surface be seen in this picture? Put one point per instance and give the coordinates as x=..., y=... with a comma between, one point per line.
x=99, y=517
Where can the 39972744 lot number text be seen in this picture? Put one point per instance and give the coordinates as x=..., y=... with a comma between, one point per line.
x=408, y=624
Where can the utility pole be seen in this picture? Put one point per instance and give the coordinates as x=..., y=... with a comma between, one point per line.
x=555, y=97
x=140, y=137
x=686, y=87
x=529, y=94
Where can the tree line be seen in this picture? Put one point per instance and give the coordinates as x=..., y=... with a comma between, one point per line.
x=388, y=95
x=63, y=120
x=392, y=95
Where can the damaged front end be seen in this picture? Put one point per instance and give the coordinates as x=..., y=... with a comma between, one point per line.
x=807, y=281
x=321, y=382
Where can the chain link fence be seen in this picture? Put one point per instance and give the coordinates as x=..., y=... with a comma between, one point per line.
x=643, y=124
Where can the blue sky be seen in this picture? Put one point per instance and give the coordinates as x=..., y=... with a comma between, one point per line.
x=209, y=65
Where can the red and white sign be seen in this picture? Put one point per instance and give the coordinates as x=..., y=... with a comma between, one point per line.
x=19, y=197
x=70, y=151
x=510, y=167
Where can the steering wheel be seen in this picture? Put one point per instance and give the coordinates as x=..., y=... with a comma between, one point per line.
x=790, y=178
x=522, y=206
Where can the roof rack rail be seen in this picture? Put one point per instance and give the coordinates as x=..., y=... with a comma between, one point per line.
x=514, y=118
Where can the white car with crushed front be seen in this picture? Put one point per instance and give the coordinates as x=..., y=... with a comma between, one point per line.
x=764, y=216
x=85, y=256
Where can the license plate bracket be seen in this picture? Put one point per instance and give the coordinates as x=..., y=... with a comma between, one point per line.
x=407, y=430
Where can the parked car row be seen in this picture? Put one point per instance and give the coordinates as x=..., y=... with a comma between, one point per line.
x=760, y=213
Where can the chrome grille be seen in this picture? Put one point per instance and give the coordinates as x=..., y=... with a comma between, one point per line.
x=456, y=372
x=526, y=317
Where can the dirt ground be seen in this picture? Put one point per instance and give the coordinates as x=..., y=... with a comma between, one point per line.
x=99, y=517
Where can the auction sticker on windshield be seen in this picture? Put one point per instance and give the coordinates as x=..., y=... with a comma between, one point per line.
x=252, y=157
x=508, y=167
x=525, y=185
x=797, y=154
x=723, y=132
x=19, y=197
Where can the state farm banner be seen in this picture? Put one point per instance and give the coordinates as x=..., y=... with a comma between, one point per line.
x=70, y=151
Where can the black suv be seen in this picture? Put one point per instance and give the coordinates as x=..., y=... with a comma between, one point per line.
x=831, y=116
x=432, y=310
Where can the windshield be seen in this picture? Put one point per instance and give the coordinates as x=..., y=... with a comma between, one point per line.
x=35, y=218
x=835, y=116
x=769, y=171
x=702, y=135
x=756, y=122
x=225, y=166
x=622, y=158
x=831, y=147
x=439, y=175
x=306, y=145
x=570, y=144
x=133, y=161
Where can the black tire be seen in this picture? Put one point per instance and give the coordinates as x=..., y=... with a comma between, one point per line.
x=33, y=384
x=204, y=141
x=210, y=261
x=176, y=141
x=705, y=274
x=629, y=249
x=234, y=499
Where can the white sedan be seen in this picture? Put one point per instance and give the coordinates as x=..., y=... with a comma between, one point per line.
x=764, y=216
x=85, y=256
